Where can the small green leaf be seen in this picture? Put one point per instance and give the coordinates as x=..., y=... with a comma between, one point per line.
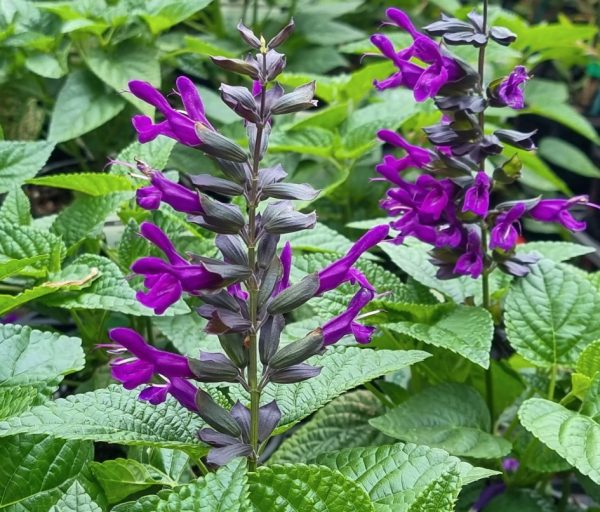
x=310, y=141
x=440, y=495
x=163, y=14
x=568, y=156
x=555, y=251
x=82, y=104
x=589, y=360
x=186, y=332
x=16, y=208
x=91, y=183
x=76, y=499
x=291, y=488
x=21, y=160
x=11, y=267
x=15, y=399
x=450, y=416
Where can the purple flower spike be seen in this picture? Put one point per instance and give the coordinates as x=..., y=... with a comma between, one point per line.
x=557, y=210
x=345, y=323
x=340, y=271
x=415, y=155
x=504, y=234
x=177, y=125
x=179, y=197
x=147, y=361
x=477, y=197
x=471, y=262
x=510, y=90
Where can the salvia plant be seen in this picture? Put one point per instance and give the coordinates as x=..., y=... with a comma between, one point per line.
x=247, y=291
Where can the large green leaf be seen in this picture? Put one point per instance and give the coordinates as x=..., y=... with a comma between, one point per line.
x=37, y=470
x=552, y=314
x=186, y=332
x=343, y=423
x=116, y=66
x=555, y=251
x=450, y=416
x=18, y=242
x=21, y=160
x=440, y=495
x=396, y=475
x=76, y=499
x=568, y=156
x=343, y=369
x=466, y=330
x=16, y=208
x=83, y=103
x=112, y=415
x=11, y=267
x=291, y=488
x=574, y=436
x=110, y=291
x=91, y=183
x=226, y=490
x=162, y=14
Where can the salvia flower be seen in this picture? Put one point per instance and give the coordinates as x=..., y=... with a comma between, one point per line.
x=346, y=323
x=504, y=234
x=162, y=189
x=471, y=261
x=477, y=196
x=510, y=90
x=181, y=389
x=557, y=210
x=176, y=125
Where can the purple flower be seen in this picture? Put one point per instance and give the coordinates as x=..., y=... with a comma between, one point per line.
x=177, y=125
x=510, y=464
x=391, y=166
x=510, y=90
x=286, y=264
x=557, y=210
x=146, y=362
x=182, y=390
x=477, y=197
x=504, y=234
x=179, y=197
x=167, y=280
x=340, y=271
x=345, y=323
x=471, y=261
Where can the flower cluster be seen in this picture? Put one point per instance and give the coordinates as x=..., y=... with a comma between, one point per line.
x=449, y=204
x=247, y=290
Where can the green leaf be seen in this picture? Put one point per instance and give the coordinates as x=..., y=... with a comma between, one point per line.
x=82, y=104
x=163, y=14
x=536, y=173
x=207, y=48
x=556, y=251
x=186, y=332
x=37, y=470
x=396, y=475
x=450, y=416
x=440, y=495
x=310, y=141
x=21, y=160
x=566, y=115
x=521, y=500
x=15, y=399
x=568, y=156
x=551, y=315
x=16, y=208
x=343, y=423
x=172, y=463
x=35, y=357
x=76, y=499
x=122, y=477
x=572, y=435
x=466, y=330
x=154, y=153
x=111, y=415
x=116, y=66
x=11, y=267
x=110, y=291
x=291, y=488
x=91, y=183
x=225, y=490
x=589, y=360
x=86, y=216
x=343, y=369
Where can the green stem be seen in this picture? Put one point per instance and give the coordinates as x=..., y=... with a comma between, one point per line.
x=255, y=15
x=385, y=401
x=552, y=385
x=202, y=467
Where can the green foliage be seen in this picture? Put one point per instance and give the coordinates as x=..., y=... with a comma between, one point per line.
x=93, y=184
x=21, y=160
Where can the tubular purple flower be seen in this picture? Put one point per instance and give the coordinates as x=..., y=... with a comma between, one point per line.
x=477, y=197
x=504, y=234
x=147, y=361
x=177, y=125
x=181, y=389
x=345, y=323
x=510, y=91
x=286, y=263
x=415, y=155
x=179, y=197
x=471, y=261
x=402, y=20
x=340, y=271
x=557, y=210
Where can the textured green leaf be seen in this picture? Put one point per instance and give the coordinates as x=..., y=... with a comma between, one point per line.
x=110, y=291
x=91, y=183
x=112, y=415
x=555, y=251
x=21, y=160
x=18, y=242
x=16, y=208
x=310, y=141
x=76, y=499
x=226, y=490
x=34, y=357
x=568, y=156
x=396, y=475
x=172, y=463
x=291, y=488
x=552, y=314
x=440, y=495
x=343, y=369
x=450, y=416
x=162, y=14
x=343, y=423
x=122, y=477
x=589, y=360
x=11, y=267
x=37, y=470
x=116, y=66
x=572, y=435
x=15, y=399
x=186, y=332
x=155, y=153
x=85, y=216
x=466, y=330
x=83, y=103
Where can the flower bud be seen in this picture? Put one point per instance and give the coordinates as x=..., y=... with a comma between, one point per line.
x=298, y=351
